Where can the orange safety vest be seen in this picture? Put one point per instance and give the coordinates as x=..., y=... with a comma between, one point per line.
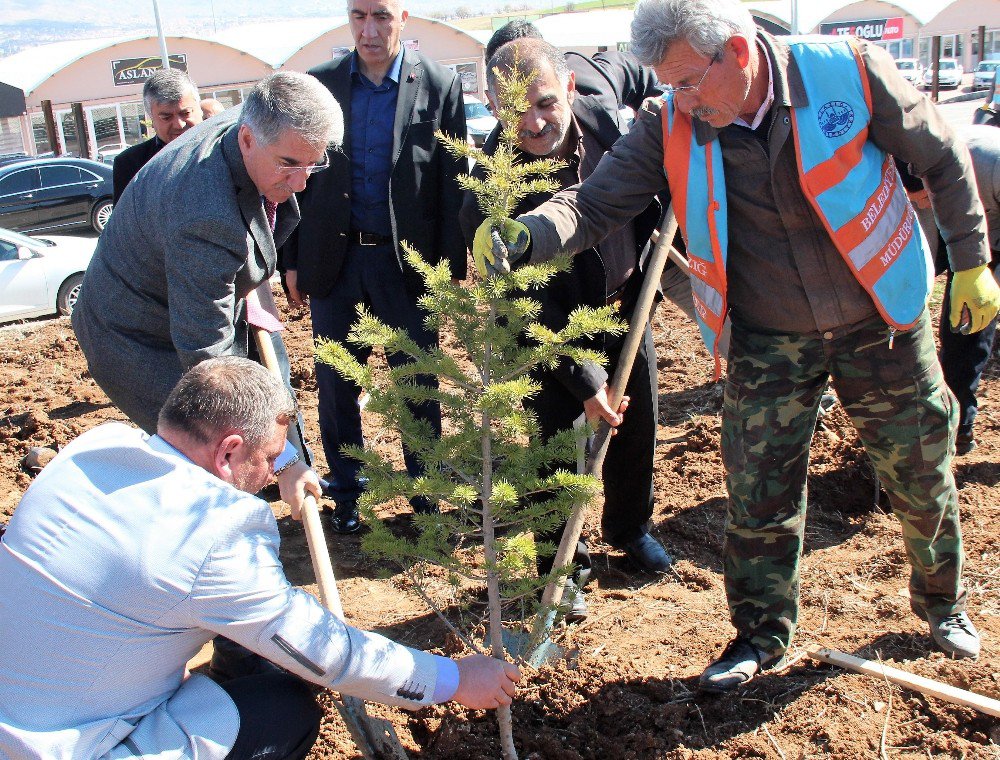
x=851, y=183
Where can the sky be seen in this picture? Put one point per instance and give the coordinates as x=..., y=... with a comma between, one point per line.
x=180, y=12
x=25, y=23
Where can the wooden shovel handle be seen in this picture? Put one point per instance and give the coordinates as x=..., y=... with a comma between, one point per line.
x=318, y=551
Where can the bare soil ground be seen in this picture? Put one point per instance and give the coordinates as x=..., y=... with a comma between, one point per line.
x=627, y=688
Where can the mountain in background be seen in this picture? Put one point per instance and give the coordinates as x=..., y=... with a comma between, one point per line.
x=27, y=23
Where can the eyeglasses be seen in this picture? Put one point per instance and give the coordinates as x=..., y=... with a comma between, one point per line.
x=690, y=89
x=308, y=169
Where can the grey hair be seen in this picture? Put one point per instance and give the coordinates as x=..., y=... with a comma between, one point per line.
x=290, y=100
x=527, y=53
x=167, y=86
x=706, y=25
x=226, y=394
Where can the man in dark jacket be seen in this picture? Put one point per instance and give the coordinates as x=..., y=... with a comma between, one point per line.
x=171, y=102
x=392, y=182
x=560, y=122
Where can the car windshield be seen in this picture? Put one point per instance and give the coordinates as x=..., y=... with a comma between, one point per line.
x=476, y=111
x=908, y=65
x=988, y=66
x=947, y=64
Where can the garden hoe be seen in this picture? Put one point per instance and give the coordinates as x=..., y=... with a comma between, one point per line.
x=375, y=737
x=542, y=649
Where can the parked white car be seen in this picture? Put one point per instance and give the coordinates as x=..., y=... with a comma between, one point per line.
x=40, y=276
x=478, y=120
x=911, y=69
x=982, y=78
x=950, y=74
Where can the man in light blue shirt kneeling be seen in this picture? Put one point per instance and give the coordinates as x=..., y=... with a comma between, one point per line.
x=129, y=552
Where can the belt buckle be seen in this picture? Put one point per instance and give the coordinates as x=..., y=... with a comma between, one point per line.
x=367, y=238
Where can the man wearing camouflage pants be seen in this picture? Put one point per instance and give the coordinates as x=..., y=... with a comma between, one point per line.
x=777, y=153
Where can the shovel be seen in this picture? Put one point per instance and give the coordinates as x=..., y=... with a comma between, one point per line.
x=375, y=737
x=542, y=649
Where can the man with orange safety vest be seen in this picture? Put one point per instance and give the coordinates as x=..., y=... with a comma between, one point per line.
x=776, y=153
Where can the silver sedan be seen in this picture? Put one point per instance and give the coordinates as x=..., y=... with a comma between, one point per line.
x=40, y=276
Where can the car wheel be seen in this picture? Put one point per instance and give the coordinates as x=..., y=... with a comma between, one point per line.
x=100, y=215
x=68, y=294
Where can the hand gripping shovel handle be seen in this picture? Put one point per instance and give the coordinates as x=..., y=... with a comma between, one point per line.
x=637, y=328
x=374, y=737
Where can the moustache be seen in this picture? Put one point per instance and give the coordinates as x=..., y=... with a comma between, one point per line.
x=527, y=134
x=703, y=113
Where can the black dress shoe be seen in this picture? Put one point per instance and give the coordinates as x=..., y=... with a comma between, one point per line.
x=334, y=488
x=345, y=518
x=574, y=603
x=648, y=554
x=965, y=442
x=424, y=506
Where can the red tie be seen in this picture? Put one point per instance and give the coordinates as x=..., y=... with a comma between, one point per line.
x=271, y=211
x=261, y=310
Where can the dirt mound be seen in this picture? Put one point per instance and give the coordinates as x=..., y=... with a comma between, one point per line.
x=627, y=687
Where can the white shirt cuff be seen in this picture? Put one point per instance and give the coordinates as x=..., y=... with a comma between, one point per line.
x=447, y=679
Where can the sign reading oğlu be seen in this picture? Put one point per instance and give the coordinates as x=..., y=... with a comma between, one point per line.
x=874, y=29
x=138, y=70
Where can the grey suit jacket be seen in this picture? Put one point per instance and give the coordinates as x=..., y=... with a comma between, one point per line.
x=166, y=287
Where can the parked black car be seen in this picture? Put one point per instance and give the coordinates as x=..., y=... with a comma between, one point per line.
x=52, y=193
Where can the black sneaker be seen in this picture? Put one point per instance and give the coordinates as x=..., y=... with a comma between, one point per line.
x=740, y=662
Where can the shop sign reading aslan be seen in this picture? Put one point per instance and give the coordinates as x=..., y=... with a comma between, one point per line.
x=874, y=29
x=138, y=70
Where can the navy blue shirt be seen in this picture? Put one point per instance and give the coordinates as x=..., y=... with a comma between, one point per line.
x=373, y=113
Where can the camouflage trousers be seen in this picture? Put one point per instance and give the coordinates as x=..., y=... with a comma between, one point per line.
x=897, y=399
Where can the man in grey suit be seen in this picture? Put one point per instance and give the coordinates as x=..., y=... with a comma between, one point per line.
x=192, y=238
x=129, y=552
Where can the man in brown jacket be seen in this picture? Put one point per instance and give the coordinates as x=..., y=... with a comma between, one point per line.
x=806, y=303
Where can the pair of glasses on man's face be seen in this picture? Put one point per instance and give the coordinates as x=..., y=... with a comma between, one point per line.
x=691, y=89
x=308, y=168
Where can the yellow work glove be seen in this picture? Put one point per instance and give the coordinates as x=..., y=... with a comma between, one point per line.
x=495, y=249
x=974, y=292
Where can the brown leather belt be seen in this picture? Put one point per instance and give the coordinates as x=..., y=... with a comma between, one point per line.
x=368, y=238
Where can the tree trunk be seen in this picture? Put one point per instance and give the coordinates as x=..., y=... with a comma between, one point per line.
x=504, y=718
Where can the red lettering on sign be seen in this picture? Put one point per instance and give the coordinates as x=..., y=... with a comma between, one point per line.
x=893, y=29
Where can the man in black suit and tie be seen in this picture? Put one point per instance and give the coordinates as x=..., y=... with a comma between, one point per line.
x=579, y=126
x=171, y=102
x=392, y=182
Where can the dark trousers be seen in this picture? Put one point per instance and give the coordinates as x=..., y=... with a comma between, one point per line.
x=279, y=717
x=628, y=466
x=964, y=357
x=370, y=276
